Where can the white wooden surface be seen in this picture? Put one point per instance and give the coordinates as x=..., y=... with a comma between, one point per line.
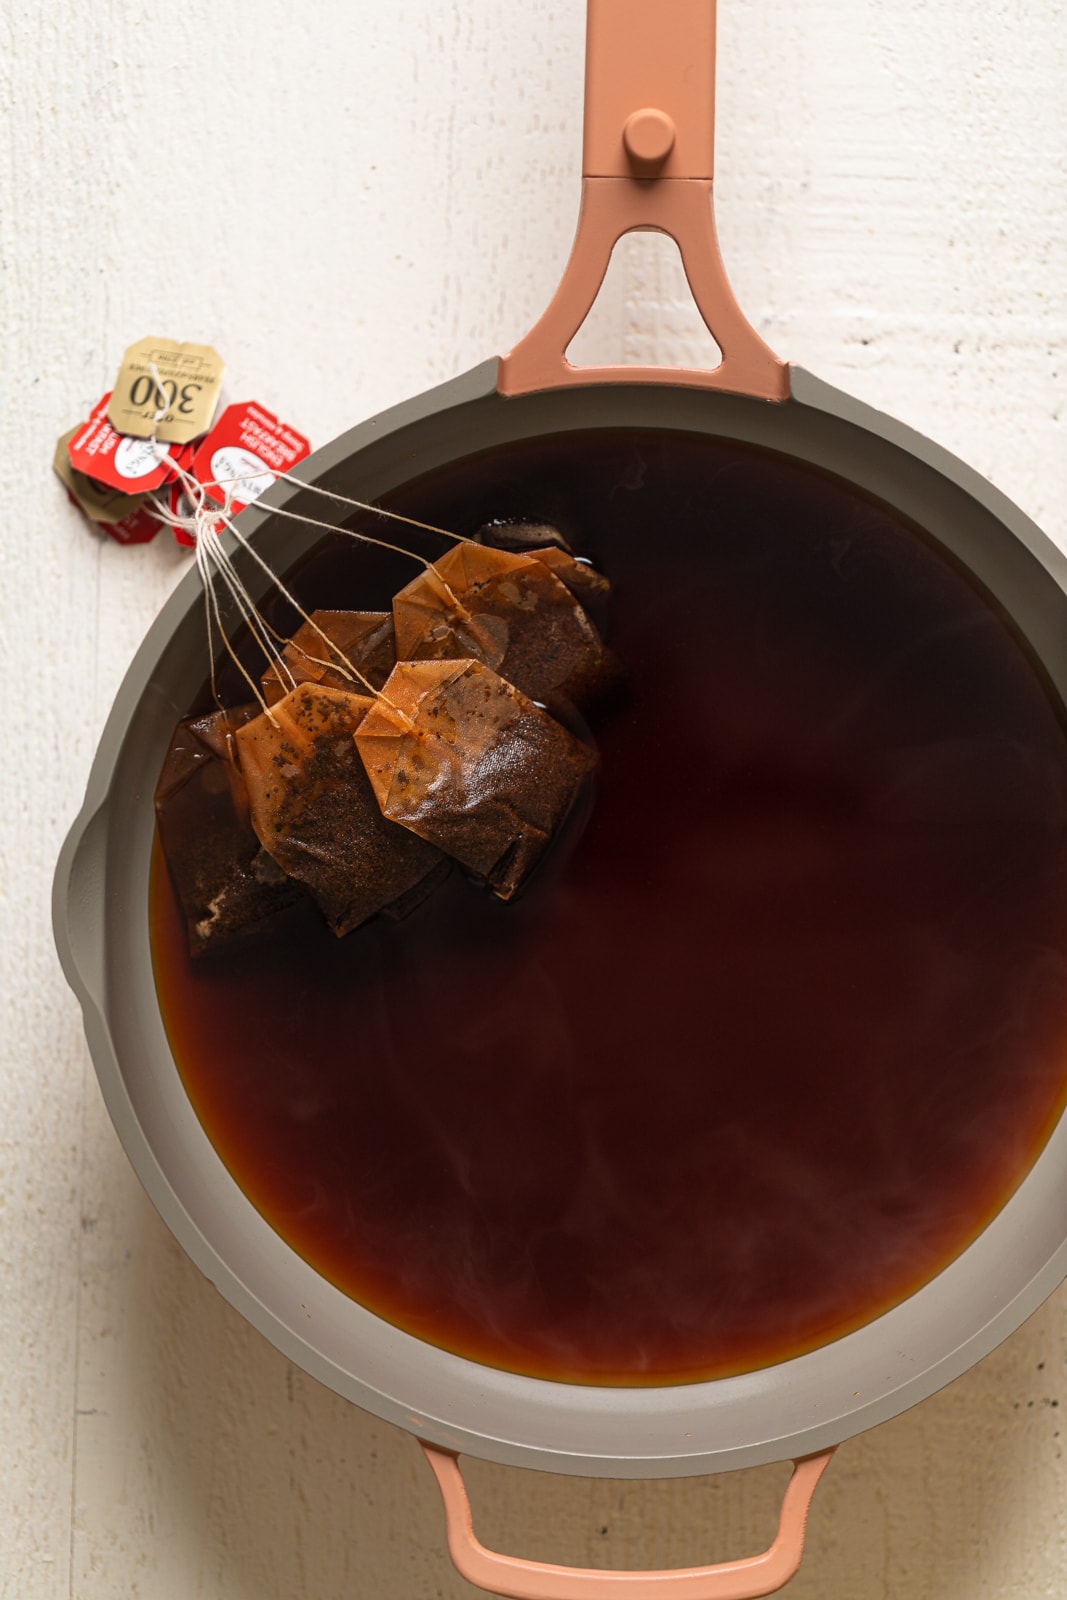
x=352, y=202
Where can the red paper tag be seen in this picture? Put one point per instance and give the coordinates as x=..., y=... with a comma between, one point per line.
x=138, y=528
x=132, y=465
x=244, y=451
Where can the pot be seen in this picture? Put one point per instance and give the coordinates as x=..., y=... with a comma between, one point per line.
x=648, y=164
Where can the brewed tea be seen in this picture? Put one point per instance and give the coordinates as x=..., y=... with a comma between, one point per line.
x=771, y=1035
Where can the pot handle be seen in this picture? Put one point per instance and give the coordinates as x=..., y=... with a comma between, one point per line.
x=538, y=1580
x=648, y=165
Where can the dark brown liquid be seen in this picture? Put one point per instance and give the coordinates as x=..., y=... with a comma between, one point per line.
x=772, y=1034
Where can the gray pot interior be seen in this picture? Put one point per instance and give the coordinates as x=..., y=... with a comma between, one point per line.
x=101, y=920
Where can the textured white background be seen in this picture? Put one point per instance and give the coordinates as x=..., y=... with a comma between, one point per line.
x=353, y=202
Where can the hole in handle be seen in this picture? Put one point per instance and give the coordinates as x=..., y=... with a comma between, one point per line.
x=644, y=313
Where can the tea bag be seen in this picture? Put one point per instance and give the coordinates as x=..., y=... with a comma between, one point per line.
x=522, y=538
x=226, y=882
x=315, y=812
x=459, y=756
x=360, y=640
x=511, y=612
x=588, y=586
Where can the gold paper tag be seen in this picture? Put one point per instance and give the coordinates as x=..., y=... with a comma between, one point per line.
x=187, y=391
x=99, y=502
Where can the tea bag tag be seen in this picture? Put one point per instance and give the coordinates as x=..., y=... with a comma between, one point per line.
x=166, y=390
x=99, y=501
x=244, y=452
x=133, y=466
x=126, y=518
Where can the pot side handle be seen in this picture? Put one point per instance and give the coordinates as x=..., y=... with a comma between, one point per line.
x=648, y=166
x=537, y=1580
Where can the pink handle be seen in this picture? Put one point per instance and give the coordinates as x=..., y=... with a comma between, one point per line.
x=642, y=54
x=649, y=138
x=538, y=1580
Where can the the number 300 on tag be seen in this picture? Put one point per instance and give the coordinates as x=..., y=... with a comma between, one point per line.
x=167, y=390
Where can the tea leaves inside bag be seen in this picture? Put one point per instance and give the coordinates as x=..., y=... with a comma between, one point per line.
x=316, y=812
x=226, y=882
x=510, y=612
x=331, y=648
x=459, y=756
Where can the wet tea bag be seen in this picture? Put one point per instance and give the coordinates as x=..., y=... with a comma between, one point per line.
x=357, y=644
x=315, y=811
x=540, y=539
x=459, y=756
x=588, y=586
x=226, y=882
x=511, y=612
x=522, y=538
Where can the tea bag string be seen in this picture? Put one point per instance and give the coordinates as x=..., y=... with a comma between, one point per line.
x=363, y=505
x=162, y=453
x=208, y=555
x=212, y=559
x=209, y=551
x=211, y=555
x=227, y=485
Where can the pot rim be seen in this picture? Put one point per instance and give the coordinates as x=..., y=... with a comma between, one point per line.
x=100, y=912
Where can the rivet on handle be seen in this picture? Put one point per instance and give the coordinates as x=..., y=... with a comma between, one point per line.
x=648, y=135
